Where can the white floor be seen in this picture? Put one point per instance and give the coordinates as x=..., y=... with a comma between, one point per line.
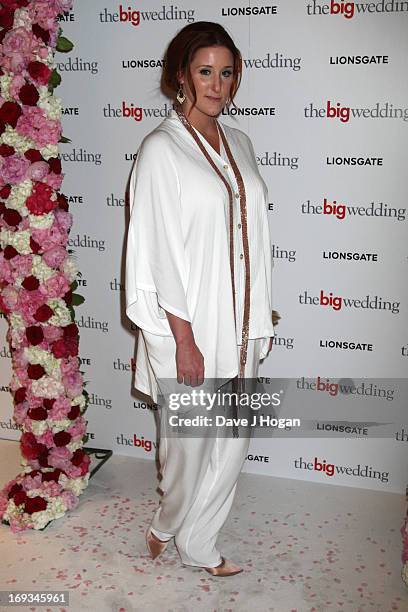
x=305, y=548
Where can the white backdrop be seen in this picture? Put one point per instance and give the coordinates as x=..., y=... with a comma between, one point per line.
x=324, y=100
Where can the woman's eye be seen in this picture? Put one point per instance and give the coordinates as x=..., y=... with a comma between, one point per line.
x=227, y=73
x=204, y=71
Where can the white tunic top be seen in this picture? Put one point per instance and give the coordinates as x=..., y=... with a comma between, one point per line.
x=178, y=243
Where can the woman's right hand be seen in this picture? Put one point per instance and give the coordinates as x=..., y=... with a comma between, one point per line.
x=189, y=363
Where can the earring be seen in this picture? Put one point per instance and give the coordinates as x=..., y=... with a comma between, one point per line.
x=180, y=96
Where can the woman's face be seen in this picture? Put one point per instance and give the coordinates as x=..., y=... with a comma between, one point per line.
x=212, y=74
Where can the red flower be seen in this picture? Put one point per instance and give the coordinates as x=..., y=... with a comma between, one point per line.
x=12, y=216
x=78, y=457
x=30, y=448
x=55, y=165
x=43, y=313
x=48, y=403
x=35, y=334
x=34, y=246
x=54, y=475
x=6, y=151
x=30, y=283
x=39, y=202
x=73, y=413
x=5, y=191
x=35, y=504
x=68, y=297
x=64, y=348
x=62, y=438
x=62, y=201
x=9, y=252
x=71, y=330
x=35, y=371
x=2, y=124
x=37, y=414
x=28, y=94
x=33, y=155
x=10, y=112
x=20, y=395
x=6, y=18
x=20, y=497
x=39, y=72
x=41, y=33
x=16, y=487
x=43, y=458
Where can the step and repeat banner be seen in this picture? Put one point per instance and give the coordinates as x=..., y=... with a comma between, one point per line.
x=324, y=98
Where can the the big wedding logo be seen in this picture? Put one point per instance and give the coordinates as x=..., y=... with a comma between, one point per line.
x=341, y=210
x=130, y=15
x=349, y=10
x=343, y=113
x=327, y=299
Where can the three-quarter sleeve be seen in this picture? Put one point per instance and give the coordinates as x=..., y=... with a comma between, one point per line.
x=156, y=266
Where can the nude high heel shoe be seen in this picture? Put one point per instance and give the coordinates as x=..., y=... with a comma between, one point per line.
x=154, y=545
x=225, y=568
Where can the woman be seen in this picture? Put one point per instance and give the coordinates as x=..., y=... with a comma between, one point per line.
x=198, y=280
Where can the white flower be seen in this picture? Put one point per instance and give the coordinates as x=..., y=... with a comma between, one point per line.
x=51, y=364
x=70, y=268
x=47, y=387
x=60, y=425
x=39, y=427
x=62, y=316
x=42, y=221
x=49, y=151
x=19, y=240
x=50, y=103
x=21, y=143
x=41, y=270
x=79, y=400
x=18, y=196
x=22, y=19
x=77, y=485
x=17, y=321
x=5, y=81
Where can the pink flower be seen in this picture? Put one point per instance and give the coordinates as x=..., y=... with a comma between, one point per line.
x=22, y=264
x=20, y=412
x=38, y=170
x=14, y=169
x=44, y=13
x=55, y=256
x=63, y=219
x=46, y=438
x=73, y=384
x=60, y=409
x=55, y=286
x=17, y=48
x=52, y=333
x=54, y=180
x=5, y=269
x=69, y=499
x=78, y=428
x=59, y=456
x=10, y=296
x=16, y=84
x=34, y=124
x=49, y=238
x=30, y=482
x=3, y=504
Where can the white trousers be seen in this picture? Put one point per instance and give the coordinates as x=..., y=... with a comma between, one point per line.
x=199, y=475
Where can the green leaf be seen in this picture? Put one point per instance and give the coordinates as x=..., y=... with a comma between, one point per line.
x=77, y=299
x=55, y=79
x=74, y=285
x=64, y=45
x=64, y=139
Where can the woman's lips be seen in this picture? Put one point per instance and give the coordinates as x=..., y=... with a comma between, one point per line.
x=212, y=98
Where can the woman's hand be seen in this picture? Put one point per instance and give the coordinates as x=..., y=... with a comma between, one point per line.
x=189, y=363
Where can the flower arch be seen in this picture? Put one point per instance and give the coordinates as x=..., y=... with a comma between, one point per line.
x=37, y=272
